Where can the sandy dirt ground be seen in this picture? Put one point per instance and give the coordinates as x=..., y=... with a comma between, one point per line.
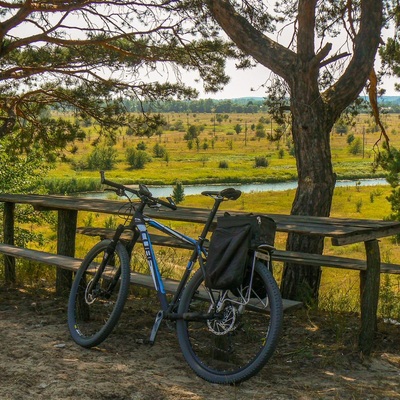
x=317, y=358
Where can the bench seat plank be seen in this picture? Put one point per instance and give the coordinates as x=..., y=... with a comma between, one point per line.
x=57, y=260
x=73, y=264
x=278, y=255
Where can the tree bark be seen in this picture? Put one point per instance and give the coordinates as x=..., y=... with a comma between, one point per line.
x=316, y=181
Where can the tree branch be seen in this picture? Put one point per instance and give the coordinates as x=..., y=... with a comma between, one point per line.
x=334, y=59
x=251, y=41
x=352, y=81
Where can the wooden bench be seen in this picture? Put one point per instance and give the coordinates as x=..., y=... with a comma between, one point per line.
x=341, y=231
x=73, y=264
x=278, y=255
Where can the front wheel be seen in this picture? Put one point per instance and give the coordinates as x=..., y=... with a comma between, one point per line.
x=238, y=340
x=97, y=298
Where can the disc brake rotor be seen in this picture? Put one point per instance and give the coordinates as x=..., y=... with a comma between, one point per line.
x=221, y=326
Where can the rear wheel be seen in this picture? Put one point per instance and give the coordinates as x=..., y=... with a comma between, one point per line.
x=238, y=339
x=94, y=307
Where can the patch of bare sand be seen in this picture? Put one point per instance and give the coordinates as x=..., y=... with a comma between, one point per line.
x=316, y=359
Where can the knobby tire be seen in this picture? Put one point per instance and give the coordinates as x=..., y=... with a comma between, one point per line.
x=243, y=349
x=93, y=314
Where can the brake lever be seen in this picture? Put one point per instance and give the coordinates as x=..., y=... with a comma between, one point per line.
x=156, y=206
x=118, y=192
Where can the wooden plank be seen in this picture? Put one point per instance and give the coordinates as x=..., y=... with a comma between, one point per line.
x=156, y=239
x=278, y=255
x=342, y=230
x=57, y=260
x=73, y=264
x=8, y=231
x=330, y=261
x=171, y=285
x=192, y=214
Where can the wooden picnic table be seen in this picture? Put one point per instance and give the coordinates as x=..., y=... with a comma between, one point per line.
x=342, y=231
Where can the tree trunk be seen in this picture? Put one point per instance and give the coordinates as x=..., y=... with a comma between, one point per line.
x=313, y=113
x=316, y=181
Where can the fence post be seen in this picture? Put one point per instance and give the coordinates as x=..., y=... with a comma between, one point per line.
x=8, y=229
x=66, y=231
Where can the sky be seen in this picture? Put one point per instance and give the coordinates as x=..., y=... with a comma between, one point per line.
x=242, y=81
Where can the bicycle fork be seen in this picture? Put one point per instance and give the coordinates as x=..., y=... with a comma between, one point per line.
x=108, y=255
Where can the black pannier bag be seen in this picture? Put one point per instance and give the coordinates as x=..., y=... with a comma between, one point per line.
x=230, y=246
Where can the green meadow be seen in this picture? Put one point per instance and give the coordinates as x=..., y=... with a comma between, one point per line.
x=222, y=153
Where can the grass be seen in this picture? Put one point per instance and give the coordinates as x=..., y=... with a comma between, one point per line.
x=237, y=151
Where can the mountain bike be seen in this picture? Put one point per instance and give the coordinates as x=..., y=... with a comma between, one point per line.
x=226, y=336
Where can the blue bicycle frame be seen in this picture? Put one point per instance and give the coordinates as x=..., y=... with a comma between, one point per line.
x=139, y=225
x=152, y=260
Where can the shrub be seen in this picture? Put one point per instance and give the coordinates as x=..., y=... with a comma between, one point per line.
x=166, y=157
x=341, y=129
x=102, y=158
x=223, y=164
x=355, y=147
x=136, y=158
x=159, y=151
x=192, y=133
x=350, y=138
x=261, y=161
x=141, y=146
x=179, y=126
x=260, y=130
x=238, y=128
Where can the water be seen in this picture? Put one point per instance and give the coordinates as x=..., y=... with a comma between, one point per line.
x=165, y=191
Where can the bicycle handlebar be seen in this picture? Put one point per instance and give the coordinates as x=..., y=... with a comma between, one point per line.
x=142, y=192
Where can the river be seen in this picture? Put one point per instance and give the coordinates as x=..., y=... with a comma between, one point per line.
x=164, y=191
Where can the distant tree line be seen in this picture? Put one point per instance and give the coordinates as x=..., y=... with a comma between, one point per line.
x=244, y=105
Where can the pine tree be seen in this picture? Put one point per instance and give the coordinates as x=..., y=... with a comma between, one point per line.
x=178, y=193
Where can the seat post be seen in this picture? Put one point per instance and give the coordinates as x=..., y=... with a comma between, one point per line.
x=217, y=202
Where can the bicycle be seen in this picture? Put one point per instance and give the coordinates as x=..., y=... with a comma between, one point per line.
x=226, y=336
